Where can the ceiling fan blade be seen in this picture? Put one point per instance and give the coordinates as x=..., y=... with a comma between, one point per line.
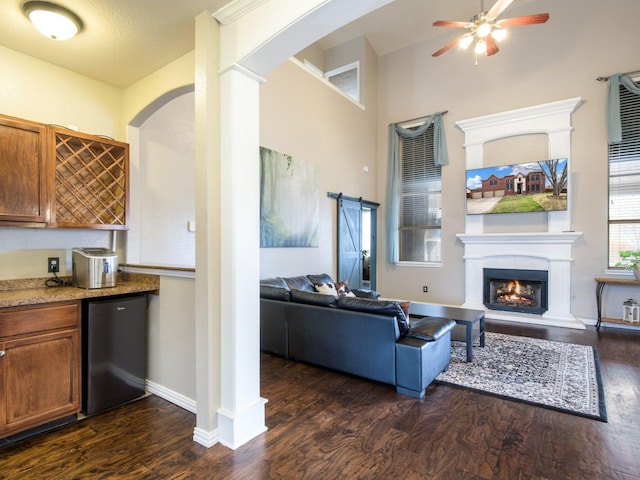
x=449, y=45
x=526, y=20
x=492, y=46
x=498, y=8
x=447, y=23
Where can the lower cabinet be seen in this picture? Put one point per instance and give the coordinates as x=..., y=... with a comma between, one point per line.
x=39, y=365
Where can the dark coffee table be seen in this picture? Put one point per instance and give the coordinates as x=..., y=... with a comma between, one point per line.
x=465, y=318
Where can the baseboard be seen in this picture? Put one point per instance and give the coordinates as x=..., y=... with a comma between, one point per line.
x=171, y=396
x=205, y=438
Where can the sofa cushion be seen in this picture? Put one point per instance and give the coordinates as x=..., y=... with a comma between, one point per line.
x=274, y=282
x=320, y=278
x=365, y=293
x=275, y=293
x=313, y=298
x=299, y=283
x=382, y=307
x=430, y=328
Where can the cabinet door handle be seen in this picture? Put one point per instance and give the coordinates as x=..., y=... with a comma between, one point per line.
x=1, y=353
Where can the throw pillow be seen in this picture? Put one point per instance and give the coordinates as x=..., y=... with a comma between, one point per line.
x=405, y=306
x=326, y=289
x=343, y=289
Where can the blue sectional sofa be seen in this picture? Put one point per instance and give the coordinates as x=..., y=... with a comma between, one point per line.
x=359, y=335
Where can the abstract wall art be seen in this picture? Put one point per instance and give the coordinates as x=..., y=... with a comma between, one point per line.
x=289, y=201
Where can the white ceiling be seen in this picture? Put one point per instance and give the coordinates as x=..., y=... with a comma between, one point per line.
x=122, y=40
x=126, y=40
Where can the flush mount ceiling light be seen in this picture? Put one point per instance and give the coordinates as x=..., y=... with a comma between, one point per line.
x=485, y=30
x=52, y=20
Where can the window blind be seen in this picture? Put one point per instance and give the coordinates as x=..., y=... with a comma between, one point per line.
x=624, y=180
x=420, y=195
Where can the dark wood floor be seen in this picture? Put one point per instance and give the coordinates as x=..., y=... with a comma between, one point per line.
x=326, y=425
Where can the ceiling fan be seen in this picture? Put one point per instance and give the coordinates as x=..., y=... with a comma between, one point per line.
x=486, y=30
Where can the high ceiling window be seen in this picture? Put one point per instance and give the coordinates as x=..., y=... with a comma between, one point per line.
x=420, y=200
x=624, y=180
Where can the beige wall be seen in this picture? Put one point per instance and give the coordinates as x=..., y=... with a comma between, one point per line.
x=536, y=64
x=42, y=92
x=172, y=333
x=301, y=116
x=138, y=97
x=38, y=91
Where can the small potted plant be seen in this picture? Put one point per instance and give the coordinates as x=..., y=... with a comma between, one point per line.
x=630, y=260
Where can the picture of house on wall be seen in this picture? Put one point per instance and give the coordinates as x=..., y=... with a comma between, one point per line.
x=289, y=201
x=520, y=187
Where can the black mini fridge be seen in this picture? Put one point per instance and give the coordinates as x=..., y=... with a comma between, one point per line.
x=114, y=352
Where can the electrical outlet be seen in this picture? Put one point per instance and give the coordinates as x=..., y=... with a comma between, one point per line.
x=53, y=264
x=425, y=289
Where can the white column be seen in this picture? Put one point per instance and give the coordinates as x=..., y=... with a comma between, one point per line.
x=208, y=272
x=242, y=413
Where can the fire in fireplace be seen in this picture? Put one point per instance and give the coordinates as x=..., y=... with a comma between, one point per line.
x=515, y=290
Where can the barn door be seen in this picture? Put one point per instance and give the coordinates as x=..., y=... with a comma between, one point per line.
x=350, y=242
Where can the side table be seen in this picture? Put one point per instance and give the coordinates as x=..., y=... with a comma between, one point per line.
x=600, y=284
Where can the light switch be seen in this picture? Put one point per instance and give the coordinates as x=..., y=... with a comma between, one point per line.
x=191, y=225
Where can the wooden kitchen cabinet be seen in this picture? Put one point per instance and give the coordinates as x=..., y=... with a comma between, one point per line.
x=90, y=178
x=39, y=365
x=54, y=177
x=24, y=195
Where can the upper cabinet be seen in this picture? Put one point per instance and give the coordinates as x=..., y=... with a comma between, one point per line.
x=24, y=198
x=54, y=177
x=91, y=180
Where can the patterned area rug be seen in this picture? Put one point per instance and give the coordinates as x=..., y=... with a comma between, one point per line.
x=556, y=375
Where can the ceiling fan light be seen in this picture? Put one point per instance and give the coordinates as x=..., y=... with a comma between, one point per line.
x=465, y=42
x=483, y=30
x=499, y=34
x=481, y=47
x=51, y=20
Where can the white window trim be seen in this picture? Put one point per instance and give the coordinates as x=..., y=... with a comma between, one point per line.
x=346, y=68
x=326, y=82
x=419, y=264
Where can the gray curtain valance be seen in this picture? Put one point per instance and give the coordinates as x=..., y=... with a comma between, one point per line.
x=613, y=104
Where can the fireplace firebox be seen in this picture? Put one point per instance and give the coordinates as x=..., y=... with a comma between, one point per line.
x=514, y=290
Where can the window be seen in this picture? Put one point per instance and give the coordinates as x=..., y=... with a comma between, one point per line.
x=624, y=180
x=419, y=199
x=347, y=79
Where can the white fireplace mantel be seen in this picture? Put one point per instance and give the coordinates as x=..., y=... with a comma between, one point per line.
x=524, y=251
x=550, y=250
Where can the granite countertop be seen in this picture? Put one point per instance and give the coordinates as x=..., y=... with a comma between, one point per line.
x=34, y=291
